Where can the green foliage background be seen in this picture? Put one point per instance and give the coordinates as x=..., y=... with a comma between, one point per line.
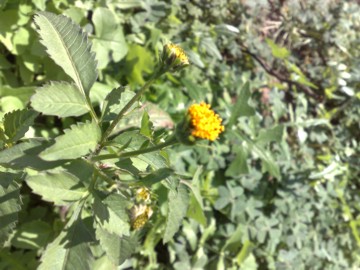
x=278, y=190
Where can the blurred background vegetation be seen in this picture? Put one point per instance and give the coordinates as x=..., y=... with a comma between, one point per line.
x=280, y=188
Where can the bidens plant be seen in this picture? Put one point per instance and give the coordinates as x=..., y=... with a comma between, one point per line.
x=103, y=177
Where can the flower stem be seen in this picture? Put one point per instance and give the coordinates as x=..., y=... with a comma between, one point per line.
x=173, y=140
x=114, y=123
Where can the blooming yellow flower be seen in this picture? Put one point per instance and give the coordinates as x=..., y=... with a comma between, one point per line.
x=139, y=215
x=204, y=122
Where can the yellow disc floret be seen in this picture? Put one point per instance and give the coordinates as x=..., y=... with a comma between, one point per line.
x=204, y=122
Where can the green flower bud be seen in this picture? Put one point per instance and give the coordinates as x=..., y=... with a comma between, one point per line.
x=173, y=57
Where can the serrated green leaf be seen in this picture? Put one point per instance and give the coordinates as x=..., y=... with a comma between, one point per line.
x=116, y=101
x=26, y=154
x=78, y=141
x=17, y=123
x=146, y=125
x=109, y=41
x=111, y=213
x=69, y=47
x=241, y=108
x=70, y=249
x=9, y=208
x=61, y=188
x=59, y=98
x=178, y=204
x=118, y=249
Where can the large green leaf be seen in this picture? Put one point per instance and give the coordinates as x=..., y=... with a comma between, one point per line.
x=111, y=213
x=78, y=141
x=32, y=235
x=59, y=98
x=26, y=154
x=9, y=208
x=70, y=249
x=59, y=187
x=109, y=41
x=178, y=204
x=115, y=101
x=118, y=249
x=69, y=47
x=17, y=123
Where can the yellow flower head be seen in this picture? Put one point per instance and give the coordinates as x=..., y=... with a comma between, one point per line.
x=204, y=122
x=139, y=215
x=174, y=57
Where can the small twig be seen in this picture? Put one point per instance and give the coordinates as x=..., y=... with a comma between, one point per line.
x=279, y=76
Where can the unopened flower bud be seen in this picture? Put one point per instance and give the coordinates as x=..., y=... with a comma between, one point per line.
x=174, y=57
x=143, y=194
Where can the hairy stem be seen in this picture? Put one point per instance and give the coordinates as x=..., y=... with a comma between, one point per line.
x=114, y=123
x=171, y=141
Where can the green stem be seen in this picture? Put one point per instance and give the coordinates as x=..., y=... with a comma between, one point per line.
x=105, y=177
x=93, y=179
x=173, y=140
x=127, y=107
x=92, y=111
